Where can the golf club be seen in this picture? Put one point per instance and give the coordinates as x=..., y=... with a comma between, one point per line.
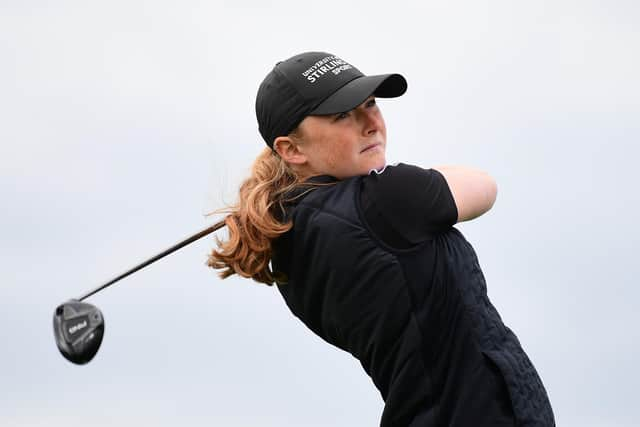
x=78, y=327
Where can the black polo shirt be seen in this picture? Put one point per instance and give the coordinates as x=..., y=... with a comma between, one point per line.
x=376, y=268
x=406, y=205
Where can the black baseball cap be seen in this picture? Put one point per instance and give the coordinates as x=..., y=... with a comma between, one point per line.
x=315, y=83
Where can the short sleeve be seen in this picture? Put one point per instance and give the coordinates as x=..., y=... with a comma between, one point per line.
x=405, y=205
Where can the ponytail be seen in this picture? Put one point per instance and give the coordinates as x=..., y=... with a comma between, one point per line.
x=254, y=221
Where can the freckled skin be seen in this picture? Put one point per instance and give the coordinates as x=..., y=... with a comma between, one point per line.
x=344, y=144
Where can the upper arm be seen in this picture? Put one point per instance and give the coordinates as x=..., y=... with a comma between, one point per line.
x=473, y=190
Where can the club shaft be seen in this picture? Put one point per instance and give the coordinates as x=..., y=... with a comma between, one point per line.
x=155, y=258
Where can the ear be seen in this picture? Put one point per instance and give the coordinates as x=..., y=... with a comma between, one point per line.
x=289, y=150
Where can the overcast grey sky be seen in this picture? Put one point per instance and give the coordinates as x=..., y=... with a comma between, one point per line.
x=124, y=122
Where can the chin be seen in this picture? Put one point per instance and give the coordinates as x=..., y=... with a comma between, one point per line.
x=380, y=161
x=378, y=165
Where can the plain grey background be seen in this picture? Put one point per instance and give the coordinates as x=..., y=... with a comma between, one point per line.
x=124, y=122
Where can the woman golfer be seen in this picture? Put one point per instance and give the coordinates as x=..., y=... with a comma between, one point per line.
x=367, y=256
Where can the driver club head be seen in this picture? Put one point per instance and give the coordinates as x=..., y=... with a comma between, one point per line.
x=78, y=328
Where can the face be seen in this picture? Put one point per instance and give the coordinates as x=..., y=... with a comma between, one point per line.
x=344, y=144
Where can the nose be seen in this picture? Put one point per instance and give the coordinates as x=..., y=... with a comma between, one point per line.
x=370, y=121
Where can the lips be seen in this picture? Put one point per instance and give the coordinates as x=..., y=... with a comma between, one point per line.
x=370, y=146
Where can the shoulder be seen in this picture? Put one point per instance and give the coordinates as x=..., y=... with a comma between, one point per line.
x=408, y=201
x=401, y=181
x=401, y=173
x=327, y=198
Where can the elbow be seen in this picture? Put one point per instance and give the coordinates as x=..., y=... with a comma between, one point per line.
x=474, y=191
x=487, y=191
x=492, y=192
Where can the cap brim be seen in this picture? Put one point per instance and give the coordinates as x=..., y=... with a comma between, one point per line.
x=358, y=90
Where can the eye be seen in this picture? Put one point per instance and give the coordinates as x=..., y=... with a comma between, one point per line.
x=371, y=102
x=341, y=116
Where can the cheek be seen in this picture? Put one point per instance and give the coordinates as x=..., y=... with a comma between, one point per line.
x=321, y=156
x=336, y=155
x=336, y=151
